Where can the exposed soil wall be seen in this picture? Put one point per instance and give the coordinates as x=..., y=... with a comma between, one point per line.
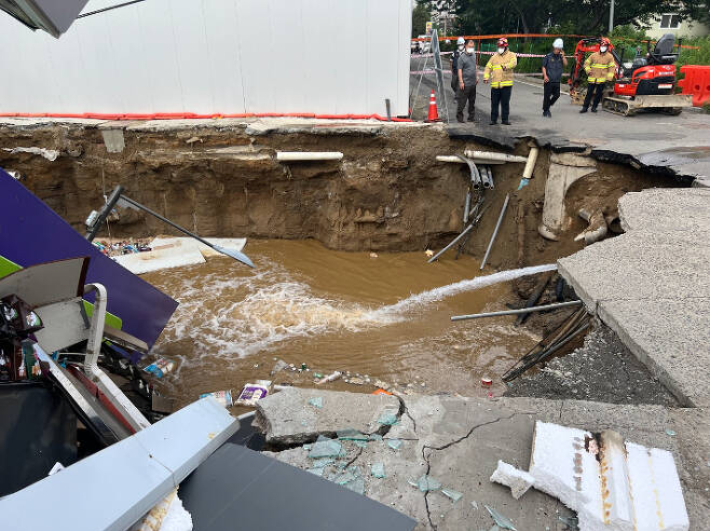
x=387, y=194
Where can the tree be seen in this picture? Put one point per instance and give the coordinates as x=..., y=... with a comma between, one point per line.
x=420, y=16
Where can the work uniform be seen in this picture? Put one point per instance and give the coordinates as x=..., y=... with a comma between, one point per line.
x=455, y=72
x=501, y=82
x=467, y=65
x=554, y=66
x=600, y=68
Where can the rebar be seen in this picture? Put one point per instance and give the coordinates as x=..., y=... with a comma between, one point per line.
x=542, y=308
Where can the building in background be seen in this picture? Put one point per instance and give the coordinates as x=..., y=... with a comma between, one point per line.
x=673, y=23
x=214, y=57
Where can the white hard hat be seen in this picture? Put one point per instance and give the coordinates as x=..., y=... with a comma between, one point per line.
x=558, y=44
x=460, y=41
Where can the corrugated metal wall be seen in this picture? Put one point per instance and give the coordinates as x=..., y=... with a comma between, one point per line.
x=214, y=56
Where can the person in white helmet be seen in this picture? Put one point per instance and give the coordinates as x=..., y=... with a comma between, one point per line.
x=553, y=65
x=460, y=48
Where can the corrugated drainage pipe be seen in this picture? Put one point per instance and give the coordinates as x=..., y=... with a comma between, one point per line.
x=597, y=229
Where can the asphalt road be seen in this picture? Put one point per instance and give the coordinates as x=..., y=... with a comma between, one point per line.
x=681, y=143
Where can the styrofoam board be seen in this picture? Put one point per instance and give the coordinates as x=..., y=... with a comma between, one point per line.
x=233, y=244
x=175, y=254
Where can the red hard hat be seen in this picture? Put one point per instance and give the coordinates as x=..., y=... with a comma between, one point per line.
x=503, y=42
x=605, y=42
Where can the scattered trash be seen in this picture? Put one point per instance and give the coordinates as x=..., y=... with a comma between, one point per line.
x=388, y=418
x=280, y=366
x=58, y=467
x=223, y=397
x=330, y=378
x=474, y=504
x=317, y=375
x=373, y=255
x=670, y=433
x=351, y=434
x=518, y=480
x=429, y=253
x=316, y=402
x=395, y=444
x=252, y=393
x=452, y=494
x=304, y=367
x=377, y=470
x=160, y=367
x=486, y=382
x=356, y=381
x=325, y=447
x=381, y=392
x=500, y=520
x=426, y=483
x=570, y=521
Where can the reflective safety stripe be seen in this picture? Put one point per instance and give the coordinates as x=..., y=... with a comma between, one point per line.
x=496, y=67
x=602, y=66
x=501, y=84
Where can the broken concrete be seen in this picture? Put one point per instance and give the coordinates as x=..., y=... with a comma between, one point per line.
x=458, y=441
x=652, y=287
x=287, y=417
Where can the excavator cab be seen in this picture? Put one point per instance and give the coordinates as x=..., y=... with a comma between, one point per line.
x=653, y=74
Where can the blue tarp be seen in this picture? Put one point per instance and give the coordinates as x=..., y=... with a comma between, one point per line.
x=32, y=233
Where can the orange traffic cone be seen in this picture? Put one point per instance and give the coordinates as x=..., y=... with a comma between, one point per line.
x=433, y=112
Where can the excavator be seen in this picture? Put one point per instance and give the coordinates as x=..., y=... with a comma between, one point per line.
x=648, y=84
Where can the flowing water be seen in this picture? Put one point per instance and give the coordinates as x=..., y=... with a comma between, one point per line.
x=386, y=317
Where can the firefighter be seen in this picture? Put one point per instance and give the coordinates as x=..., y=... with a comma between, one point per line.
x=460, y=48
x=499, y=73
x=600, y=68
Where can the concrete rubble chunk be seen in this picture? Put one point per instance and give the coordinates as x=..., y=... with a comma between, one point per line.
x=285, y=417
x=517, y=480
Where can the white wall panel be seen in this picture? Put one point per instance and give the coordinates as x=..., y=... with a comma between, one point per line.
x=214, y=56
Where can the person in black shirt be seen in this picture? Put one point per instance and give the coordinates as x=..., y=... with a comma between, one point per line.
x=460, y=48
x=552, y=66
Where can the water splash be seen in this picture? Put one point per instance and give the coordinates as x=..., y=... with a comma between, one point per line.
x=245, y=315
x=443, y=292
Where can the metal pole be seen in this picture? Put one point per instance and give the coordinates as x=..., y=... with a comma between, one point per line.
x=437, y=255
x=611, y=17
x=104, y=213
x=517, y=312
x=495, y=232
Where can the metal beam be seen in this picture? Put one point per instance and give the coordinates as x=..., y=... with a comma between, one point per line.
x=517, y=312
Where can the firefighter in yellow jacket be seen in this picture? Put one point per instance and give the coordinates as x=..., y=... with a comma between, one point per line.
x=499, y=73
x=600, y=68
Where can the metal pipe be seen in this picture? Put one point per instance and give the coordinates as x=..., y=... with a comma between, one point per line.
x=437, y=255
x=493, y=155
x=467, y=207
x=454, y=158
x=487, y=177
x=389, y=109
x=495, y=231
x=517, y=312
x=475, y=175
x=300, y=156
x=104, y=213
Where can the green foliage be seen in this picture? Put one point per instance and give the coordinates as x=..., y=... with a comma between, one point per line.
x=706, y=108
x=420, y=16
x=701, y=56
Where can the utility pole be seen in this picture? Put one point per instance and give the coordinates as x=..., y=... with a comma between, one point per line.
x=611, y=17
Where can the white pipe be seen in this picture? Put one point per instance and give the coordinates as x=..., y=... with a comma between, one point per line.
x=454, y=158
x=299, y=156
x=492, y=155
x=530, y=163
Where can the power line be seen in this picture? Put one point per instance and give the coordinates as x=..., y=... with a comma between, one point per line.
x=124, y=4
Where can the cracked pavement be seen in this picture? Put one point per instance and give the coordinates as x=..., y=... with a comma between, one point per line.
x=458, y=441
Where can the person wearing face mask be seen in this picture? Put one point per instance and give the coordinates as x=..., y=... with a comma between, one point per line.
x=499, y=73
x=460, y=48
x=600, y=68
x=468, y=79
x=552, y=66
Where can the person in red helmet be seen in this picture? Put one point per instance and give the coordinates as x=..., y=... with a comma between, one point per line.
x=499, y=73
x=600, y=68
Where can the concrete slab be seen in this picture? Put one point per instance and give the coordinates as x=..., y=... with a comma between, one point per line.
x=458, y=441
x=287, y=417
x=652, y=286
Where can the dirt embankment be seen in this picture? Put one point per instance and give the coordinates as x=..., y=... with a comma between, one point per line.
x=387, y=194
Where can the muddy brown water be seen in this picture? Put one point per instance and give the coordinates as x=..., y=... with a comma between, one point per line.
x=334, y=311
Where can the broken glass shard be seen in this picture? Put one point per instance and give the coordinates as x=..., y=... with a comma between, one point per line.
x=377, y=470
x=351, y=434
x=356, y=486
x=378, y=437
x=570, y=521
x=388, y=417
x=452, y=494
x=323, y=462
x=395, y=444
x=425, y=483
x=316, y=402
x=500, y=520
x=325, y=447
x=316, y=471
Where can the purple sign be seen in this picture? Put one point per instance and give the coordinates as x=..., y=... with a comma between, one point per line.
x=32, y=233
